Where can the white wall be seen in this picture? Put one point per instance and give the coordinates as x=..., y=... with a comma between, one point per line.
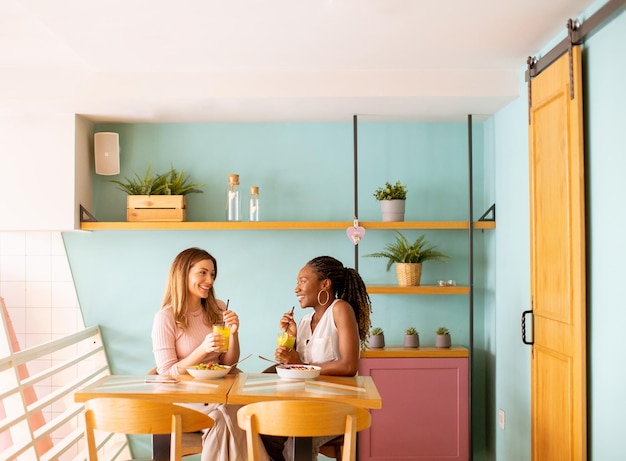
x=45, y=167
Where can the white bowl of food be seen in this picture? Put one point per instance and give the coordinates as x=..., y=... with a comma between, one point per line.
x=298, y=371
x=208, y=370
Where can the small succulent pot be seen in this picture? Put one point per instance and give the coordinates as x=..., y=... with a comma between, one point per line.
x=411, y=341
x=377, y=341
x=443, y=341
x=377, y=338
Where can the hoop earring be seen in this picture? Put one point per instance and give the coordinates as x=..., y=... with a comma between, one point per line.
x=327, y=297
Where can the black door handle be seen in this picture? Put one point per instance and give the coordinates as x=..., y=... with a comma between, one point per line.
x=532, y=318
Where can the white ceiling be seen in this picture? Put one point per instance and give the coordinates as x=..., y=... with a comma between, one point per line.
x=270, y=60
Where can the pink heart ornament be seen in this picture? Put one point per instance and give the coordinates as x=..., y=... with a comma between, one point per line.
x=355, y=234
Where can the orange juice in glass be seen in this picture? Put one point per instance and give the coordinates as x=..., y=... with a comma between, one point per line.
x=224, y=331
x=286, y=340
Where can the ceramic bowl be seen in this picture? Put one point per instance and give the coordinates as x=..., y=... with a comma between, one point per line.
x=298, y=371
x=209, y=374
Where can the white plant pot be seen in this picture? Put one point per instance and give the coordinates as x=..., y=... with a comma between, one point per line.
x=392, y=210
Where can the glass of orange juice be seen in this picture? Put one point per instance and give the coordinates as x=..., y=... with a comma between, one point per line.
x=286, y=340
x=224, y=331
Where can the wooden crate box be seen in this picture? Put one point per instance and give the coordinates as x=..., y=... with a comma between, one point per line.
x=156, y=208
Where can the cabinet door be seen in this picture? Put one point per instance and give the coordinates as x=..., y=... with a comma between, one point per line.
x=425, y=410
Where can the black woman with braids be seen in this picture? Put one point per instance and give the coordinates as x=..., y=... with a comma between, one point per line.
x=331, y=336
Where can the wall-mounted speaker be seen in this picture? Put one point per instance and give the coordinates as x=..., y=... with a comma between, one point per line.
x=107, y=153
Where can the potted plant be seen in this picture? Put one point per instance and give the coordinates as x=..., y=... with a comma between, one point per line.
x=409, y=257
x=377, y=338
x=443, y=339
x=392, y=199
x=411, y=338
x=157, y=197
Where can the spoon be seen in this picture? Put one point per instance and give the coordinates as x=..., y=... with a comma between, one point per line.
x=237, y=363
x=291, y=312
x=270, y=360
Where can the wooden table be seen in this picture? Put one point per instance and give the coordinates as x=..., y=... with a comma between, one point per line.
x=240, y=389
x=187, y=390
x=358, y=391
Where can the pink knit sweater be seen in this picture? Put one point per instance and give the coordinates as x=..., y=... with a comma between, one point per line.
x=170, y=343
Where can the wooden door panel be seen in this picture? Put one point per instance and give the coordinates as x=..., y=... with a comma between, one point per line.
x=558, y=375
x=551, y=217
x=554, y=406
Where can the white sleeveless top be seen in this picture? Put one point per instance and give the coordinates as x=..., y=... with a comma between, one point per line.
x=322, y=345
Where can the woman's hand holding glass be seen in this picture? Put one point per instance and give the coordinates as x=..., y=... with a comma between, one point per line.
x=232, y=320
x=286, y=340
x=213, y=342
x=285, y=355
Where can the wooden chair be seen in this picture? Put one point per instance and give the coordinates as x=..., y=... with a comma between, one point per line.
x=332, y=448
x=139, y=416
x=192, y=441
x=302, y=418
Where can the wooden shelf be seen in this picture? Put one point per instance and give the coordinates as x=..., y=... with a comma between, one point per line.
x=416, y=290
x=420, y=352
x=280, y=225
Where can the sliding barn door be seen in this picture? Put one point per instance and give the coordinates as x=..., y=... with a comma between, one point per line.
x=558, y=263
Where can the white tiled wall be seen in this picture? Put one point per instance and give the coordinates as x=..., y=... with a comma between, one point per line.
x=38, y=291
x=37, y=287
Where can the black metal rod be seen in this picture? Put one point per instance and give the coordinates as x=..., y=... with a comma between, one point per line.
x=356, y=185
x=586, y=29
x=471, y=271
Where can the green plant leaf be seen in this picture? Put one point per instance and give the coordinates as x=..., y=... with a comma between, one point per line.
x=395, y=191
x=403, y=251
x=171, y=183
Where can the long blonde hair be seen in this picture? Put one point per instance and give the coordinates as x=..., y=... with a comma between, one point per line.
x=176, y=291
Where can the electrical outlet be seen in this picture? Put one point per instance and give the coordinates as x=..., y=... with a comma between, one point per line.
x=501, y=418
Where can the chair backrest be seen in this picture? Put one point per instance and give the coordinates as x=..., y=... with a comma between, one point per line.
x=302, y=418
x=140, y=416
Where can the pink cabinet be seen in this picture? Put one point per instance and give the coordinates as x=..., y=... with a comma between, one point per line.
x=425, y=409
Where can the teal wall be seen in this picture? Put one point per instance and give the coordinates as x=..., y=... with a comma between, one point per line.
x=605, y=119
x=605, y=101
x=305, y=173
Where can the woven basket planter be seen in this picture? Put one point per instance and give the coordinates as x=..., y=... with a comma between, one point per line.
x=409, y=274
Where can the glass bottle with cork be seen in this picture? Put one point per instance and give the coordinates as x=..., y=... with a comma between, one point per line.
x=253, y=206
x=233, y=200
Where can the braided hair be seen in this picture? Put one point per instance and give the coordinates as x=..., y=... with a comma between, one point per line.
x=348, y=286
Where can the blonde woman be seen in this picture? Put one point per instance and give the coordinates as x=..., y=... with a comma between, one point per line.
x=182, y=336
